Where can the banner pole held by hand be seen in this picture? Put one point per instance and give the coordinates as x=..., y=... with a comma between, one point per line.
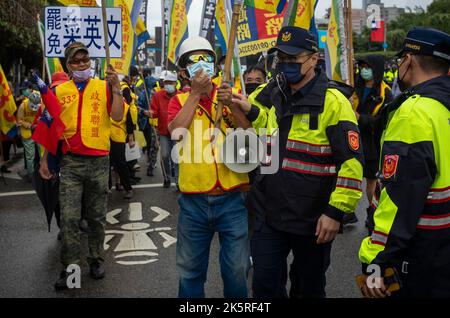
x=105, y=32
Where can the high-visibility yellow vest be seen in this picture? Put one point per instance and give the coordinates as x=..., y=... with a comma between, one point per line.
x=28, y=116
x=199, y=166
x=95, y=124
x=119, y=128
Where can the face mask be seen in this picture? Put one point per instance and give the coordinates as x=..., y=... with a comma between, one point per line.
x=206, y=66
x=26, y=92
x=170, y=88
x=292, y=72
x=367, y=74
x=81, y=76
x=251, y=87
x=400, y=80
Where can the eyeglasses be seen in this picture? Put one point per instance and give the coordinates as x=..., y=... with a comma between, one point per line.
x=194, y=58
x=84, y=60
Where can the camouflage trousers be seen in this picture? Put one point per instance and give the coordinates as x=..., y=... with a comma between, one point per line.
x=83, y=177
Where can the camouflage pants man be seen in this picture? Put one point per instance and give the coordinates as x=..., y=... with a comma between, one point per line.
x=85, y=176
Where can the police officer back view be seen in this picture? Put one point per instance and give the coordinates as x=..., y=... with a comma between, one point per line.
x=412, y=220
x=301, y=206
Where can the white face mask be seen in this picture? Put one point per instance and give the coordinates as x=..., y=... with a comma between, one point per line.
x=82, y=76
x=170, y=88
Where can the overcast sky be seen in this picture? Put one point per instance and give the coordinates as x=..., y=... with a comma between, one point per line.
x=194, y=15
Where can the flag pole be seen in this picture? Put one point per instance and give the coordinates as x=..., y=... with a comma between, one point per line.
x=350, y=43
x=105, y=32
x=228, y=59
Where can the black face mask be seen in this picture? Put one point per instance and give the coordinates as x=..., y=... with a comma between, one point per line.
x=251, y=87
x=400, y=82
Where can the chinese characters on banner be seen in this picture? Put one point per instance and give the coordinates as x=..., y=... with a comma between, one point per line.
x=178, y=27
x=122, y=64
x=207, y=21
x=64, y=25
x=257, y=30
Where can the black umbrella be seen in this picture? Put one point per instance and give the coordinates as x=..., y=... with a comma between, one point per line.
x=48, y=193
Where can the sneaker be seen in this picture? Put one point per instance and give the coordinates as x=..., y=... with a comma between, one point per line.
x=83, y=225
x=166, y=183
x=137, y=166
x=349, y=218
x=96, y=270
x=128, y=195
x=61, y=282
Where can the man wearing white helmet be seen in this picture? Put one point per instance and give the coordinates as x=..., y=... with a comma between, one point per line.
x=159, y=107
x=211, y=197
x=25, y=118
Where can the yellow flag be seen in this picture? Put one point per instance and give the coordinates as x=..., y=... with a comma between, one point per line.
x=122, y=65
x=178, y=27
x=7, y=107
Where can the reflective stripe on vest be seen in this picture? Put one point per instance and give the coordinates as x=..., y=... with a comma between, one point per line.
x=379, y=238
x=308, y=167
x=434, y=222
x=349, y=183
x=374, y=202
x=301, y=146
x=438, y=195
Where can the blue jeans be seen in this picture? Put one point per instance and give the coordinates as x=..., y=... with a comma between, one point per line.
x=167, y=144
x=202, y=215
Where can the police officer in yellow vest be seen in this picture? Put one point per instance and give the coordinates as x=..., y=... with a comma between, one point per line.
x=87, y=107
x=211, y=197
x=300, y=207
x=412, y=219
x=25, y=118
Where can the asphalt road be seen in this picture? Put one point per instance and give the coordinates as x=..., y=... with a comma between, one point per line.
x=29, y=253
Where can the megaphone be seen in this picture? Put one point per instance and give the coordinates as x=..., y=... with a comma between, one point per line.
x=242, y=151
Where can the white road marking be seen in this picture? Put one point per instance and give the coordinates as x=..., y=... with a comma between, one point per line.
x=14, y=193
x=162, y=214
x=169, y=240
x=137, y=262
x=138, y=253
x=135, y=209
x=110, y=216
x=107, y=239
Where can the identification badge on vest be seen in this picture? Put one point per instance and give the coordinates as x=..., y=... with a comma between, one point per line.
x=353, y=140
x=390, y=164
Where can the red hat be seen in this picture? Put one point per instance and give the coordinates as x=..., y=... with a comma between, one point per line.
x=59, y=78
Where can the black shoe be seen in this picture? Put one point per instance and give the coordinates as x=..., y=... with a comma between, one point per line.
x=349, y=218
x=134, y=181
x=166, y=183
x=150, y=172
x=83, y=225
x=128, y=195
x=59, y=236
x=96, y=270
x=5, y=170
x=61, y=282
x=136, y=178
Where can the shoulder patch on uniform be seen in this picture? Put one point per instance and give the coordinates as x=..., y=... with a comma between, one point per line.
x=353, y=140
x=390, y=164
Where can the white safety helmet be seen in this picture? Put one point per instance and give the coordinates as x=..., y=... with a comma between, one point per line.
x=192, y=44
x=163, y=75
